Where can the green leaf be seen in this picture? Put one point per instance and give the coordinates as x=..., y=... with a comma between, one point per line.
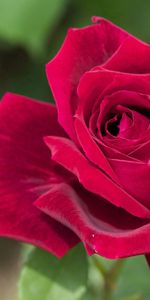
x=134, y=280
x=44, y=277
x=131, y=284
x=29, y=23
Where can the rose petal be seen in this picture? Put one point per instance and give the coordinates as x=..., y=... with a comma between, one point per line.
x=95, y=85
x=122, y=101
x=103, y=228
x=91, y=149
x=82, y=50
x=67, y=154
x=135, y=177
x=133, y=56
x=26, y=171
x=142, y=152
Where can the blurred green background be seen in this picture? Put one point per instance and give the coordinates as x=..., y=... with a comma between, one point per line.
x=31, y=32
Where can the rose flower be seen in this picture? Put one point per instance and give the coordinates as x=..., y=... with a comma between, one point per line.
x=86, y=176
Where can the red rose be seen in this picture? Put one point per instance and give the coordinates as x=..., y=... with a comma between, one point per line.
x=95, y=187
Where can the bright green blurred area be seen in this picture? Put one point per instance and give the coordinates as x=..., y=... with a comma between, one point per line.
x=31, y=32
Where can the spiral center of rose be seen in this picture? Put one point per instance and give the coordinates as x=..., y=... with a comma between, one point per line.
x=122, y=123
x=118, y=124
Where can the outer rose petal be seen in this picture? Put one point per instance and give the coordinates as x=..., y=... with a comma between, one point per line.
x=82, y=50
x=26, y=172
x=67, y=154
x=103, y=228
x=135, y=177
x=133, y=56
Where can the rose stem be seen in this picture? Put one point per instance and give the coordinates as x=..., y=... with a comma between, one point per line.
x=110, y=276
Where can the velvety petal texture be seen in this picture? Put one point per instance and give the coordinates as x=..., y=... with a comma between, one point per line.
x=26, y=172
x=104, y=229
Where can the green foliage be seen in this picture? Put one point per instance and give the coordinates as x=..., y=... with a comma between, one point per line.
x=44, y=277
x=131, y=283
x=39, y=27
x=134, y=280
x=29, y=22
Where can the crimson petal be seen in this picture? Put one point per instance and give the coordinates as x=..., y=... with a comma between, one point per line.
x=26, y=172
x=65, y=153
x=91, y=149
x=82, y=49
x=103, y=228
x=95, y=85
x=133, y=56
x=135, y=177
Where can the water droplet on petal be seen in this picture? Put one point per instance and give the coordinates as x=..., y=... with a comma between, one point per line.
x=90, y=244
